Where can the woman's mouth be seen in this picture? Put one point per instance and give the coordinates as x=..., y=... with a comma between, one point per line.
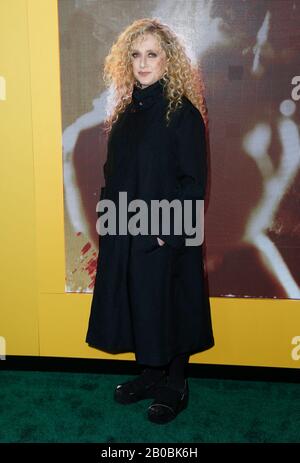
x=145, y=73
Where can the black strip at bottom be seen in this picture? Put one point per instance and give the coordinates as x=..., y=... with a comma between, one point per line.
x=103, y=366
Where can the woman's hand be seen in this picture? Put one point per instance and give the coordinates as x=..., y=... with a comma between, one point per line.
x=160, y=242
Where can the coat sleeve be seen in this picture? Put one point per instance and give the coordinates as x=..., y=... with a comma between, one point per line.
x=191, y=160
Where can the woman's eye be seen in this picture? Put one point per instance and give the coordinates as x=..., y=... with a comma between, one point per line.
x=134, y=54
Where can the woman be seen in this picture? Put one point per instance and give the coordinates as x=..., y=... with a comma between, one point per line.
x=149, y=295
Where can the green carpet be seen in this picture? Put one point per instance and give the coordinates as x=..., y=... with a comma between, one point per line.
x=75, y=407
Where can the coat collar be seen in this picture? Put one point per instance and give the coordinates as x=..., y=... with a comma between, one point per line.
x=143, y=98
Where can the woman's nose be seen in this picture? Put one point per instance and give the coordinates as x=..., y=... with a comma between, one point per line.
x=143, y=62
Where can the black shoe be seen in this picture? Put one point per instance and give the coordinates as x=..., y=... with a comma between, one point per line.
x=168, y=403
x=140, y=388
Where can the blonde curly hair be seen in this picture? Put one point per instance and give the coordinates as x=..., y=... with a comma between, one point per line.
x=180, y=78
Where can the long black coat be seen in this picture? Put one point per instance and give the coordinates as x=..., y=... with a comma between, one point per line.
x=151, y=299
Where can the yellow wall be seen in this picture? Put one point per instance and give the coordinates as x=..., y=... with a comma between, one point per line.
x=18, y=232
x=37, y=317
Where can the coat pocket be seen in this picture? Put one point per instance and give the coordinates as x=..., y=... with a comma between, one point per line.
x=154, y=244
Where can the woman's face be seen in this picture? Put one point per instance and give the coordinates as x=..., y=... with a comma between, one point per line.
x=147, y=57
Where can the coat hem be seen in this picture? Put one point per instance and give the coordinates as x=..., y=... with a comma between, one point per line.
x=152, y=362
x=110, y=350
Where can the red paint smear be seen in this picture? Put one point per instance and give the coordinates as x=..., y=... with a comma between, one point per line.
x=86, y=247
x=92, y=284
x=91, y=266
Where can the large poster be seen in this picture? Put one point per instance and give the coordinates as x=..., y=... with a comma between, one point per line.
x=249, y=53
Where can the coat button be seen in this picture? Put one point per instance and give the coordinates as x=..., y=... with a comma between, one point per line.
x=140, y=103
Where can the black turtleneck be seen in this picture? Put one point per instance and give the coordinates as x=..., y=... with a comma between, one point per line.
x=143, y=98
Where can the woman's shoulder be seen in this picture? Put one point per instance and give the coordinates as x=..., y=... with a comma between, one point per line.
x=187, y=113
